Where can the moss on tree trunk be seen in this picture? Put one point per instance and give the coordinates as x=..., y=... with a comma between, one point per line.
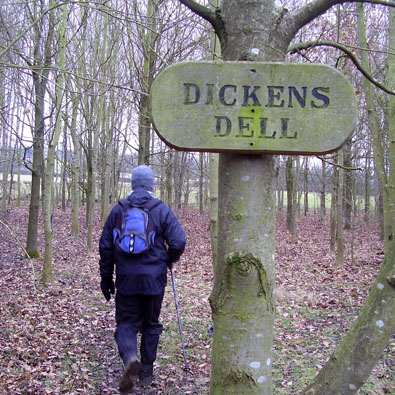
x=242, y=298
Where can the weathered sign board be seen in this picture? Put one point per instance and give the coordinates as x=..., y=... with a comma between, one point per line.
x=256, y=107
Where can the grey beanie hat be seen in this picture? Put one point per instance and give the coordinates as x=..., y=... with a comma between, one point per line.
x=143, y=177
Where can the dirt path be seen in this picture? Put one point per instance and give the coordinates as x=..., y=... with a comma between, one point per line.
x=58, y=339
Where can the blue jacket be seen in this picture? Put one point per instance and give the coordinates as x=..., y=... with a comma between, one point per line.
x=147, y=273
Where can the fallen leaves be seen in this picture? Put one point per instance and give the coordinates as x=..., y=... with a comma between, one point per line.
x=58, y=338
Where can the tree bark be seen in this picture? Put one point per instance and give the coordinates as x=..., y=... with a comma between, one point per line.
x=339, y=213
x=107, y=158
x=373, y=120
x=355, y=357
x=323, y=193
x=169, y=178
x=75, y=171
x=290, y=177
x=367, y=188
x=40, y=73
x=306, y=185
x=242, y=297
x=201, y=178
x=333, y=214
x=47, y=273
x=162, y=164
x=214, y=158
x=179, y=176
x=242, y=300
x=149, y=37
x=348, y=186
x=91, y=155
x=64, y=169
x=4, y=151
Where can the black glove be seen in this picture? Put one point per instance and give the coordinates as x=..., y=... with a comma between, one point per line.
x=107, y=287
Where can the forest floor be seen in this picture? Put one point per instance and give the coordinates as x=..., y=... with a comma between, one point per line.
x=58, y=338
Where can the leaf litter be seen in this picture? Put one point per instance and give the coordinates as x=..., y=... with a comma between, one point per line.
x=58, y=338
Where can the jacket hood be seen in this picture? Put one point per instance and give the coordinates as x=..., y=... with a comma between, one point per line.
x=139, y=197
x=143, y=177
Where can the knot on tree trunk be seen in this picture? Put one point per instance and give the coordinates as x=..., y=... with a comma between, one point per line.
x=238, y=377
x=243, y=264
x=391, y=280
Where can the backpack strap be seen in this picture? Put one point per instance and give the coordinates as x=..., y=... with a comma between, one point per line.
x=124, y=203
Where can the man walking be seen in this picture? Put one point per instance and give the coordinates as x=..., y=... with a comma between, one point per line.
x=140, y=278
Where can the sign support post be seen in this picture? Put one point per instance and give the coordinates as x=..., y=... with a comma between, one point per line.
x=246, y=111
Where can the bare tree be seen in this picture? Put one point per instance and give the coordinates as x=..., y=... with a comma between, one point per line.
x=270, y=32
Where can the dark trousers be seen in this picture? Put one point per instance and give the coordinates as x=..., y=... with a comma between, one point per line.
x=134, y=314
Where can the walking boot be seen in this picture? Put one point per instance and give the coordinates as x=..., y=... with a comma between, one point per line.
x=131, y=370
x=146, y=375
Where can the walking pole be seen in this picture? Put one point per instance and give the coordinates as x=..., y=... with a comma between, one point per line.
x=186, y=367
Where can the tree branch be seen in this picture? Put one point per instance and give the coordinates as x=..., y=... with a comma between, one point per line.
x=311, y=44
x=200, y=10
x=49, y=9
x=337, y=165
x=213, y=17
x=304, y=15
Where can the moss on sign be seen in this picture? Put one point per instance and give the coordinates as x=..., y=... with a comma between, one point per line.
x=258, y=107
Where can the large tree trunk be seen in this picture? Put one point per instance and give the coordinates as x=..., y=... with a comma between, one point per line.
x=162, y=173
x=279, y=186
x=47, y=273
x=356, y=356
x=4, y=150
x=242, y=297
x=40, y=77
x=214, y=205
x=107, y=158
x=75, y=171
x=169, y=179
x=333, y=215
x=64, y=169
x=306, y=185
x=187, y=190
x=213, y=163
x=148, y=42
x=201, y=180
x=242, y=300
x=91, y=185
x=323, y=193
x=339, y=214
x=18, y=182
x=292, y=181
x=367, y=188
x=348, y=189
x=179, y=176
x=373, y=119
x=37, y=165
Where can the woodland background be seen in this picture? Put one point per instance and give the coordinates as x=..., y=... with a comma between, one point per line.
x=74, y=84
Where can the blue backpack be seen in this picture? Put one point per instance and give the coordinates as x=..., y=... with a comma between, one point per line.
x=134, y=231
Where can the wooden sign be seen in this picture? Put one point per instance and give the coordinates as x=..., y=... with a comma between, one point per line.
x=257, y=107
